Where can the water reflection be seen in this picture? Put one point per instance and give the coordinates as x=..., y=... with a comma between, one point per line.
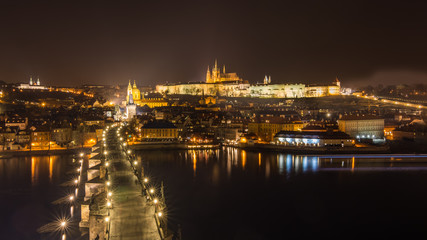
x=231, y=160
x=34, y=170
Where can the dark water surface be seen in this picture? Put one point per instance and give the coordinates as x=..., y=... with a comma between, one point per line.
x=28, y=186
x=234, y=194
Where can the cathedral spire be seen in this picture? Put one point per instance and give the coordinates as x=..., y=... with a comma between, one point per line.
x=208, y=76
x=134, y=84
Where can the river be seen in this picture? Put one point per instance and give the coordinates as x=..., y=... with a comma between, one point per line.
x=235, y=194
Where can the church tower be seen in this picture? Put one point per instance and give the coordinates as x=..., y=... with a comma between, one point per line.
x=337, y=82
x=38, y=82
x=208, y=76
x=135, y=92
x=129, y=92
x=215, y=72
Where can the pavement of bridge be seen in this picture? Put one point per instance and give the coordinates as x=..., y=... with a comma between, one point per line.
x=131, y=216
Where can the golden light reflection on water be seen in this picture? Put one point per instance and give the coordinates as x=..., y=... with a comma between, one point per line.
x=50, y=168
x=33, y=170
x=352, y=164
x=243, y=159
x=43, y=166
x=259, y=159
x=194, y=158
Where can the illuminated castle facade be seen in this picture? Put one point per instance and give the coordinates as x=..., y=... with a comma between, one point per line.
x=216, y=76
x=222, y=83
x=32, y=85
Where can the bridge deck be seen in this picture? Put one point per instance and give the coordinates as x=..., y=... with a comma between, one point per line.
x=131, y=217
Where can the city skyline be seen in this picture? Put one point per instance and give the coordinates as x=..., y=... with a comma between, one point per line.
x=110, y=42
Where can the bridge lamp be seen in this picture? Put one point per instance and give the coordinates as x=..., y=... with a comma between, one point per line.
x=155, y=201
x=145, y=180
x=129, y=151
x=159, y=214
x=108, y=183
x=71, y=198
x=81, y=154
x=110, y=194
x=106, y=164
x=135, y=163
x=105, y=153
x=152, y=190
x=76, y=181
x=107, y=219
x=109, y=204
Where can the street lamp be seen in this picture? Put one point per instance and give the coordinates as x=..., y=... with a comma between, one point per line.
x=159, y=214
x=81, y=154
x=155, y=201
x=152, y=190
x=108, y=183
x=135, y=163
x=145, y=180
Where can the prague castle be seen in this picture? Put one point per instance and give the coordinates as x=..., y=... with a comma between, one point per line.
x=221, y=83
x=217, y=77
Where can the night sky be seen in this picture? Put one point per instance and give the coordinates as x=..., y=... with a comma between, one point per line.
x=68, y=43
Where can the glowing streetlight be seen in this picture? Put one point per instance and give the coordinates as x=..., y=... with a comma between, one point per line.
x=121, y=139
x=110, y=194
x=76, y=181
x=135, y=163
x=145, y=180
x=159, y=214
x=105, y=152
x=107, y=219
x=152, y=190
x=124, y=144
x=129, y=151
x=63, y=224
x=81, y=154
x=71, y=198
x=109, y=204
x=155, y=201
x=108, y=183
x=106, y=164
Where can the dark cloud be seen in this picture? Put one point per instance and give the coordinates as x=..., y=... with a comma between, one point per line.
x=76, y=42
